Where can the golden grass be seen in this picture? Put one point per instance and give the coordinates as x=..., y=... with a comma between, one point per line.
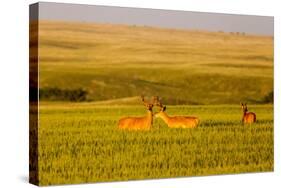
x=121, y=61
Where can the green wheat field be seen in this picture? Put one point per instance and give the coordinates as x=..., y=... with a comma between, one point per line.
x=91, y=75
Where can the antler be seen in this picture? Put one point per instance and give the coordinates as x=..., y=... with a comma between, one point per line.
x=155, y=99
x=157, y=102
x=142, y=99
x=243, y=104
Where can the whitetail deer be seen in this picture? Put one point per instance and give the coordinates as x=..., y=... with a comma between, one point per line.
x=175, y=121
x=247, y=117
x=138, y=123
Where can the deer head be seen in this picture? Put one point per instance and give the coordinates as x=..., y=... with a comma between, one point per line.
x=159, y=104
x=244, y=107
x=148, y=105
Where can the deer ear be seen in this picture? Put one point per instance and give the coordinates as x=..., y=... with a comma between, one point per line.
x=164, y=108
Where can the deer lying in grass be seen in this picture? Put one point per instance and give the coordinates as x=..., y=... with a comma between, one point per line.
x=247, y=117
x=138, y=123
x=176, y=121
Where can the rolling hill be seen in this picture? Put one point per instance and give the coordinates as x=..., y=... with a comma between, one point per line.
x=111, y=62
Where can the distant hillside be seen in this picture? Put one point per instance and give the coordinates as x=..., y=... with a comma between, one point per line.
x=110, y=62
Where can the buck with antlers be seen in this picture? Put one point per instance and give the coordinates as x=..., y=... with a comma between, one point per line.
x=247, y=117
x=138, y=123
x=175, y=121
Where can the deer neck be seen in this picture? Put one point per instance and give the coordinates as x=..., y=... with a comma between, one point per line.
x=165, y=117
x=149, y=117
x=243, y=115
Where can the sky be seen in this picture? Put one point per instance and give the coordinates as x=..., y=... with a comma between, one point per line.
x=259, y=25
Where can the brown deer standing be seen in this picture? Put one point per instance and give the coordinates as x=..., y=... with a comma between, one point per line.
x=247, y=117
x=138, y=123
x=175, y=121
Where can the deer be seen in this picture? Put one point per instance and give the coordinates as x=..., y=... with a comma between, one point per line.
x=175, y=121
x=138, y=123
x=247, y=117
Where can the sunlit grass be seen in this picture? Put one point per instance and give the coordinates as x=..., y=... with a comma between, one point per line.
x=115, y=64
x=81, y=143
